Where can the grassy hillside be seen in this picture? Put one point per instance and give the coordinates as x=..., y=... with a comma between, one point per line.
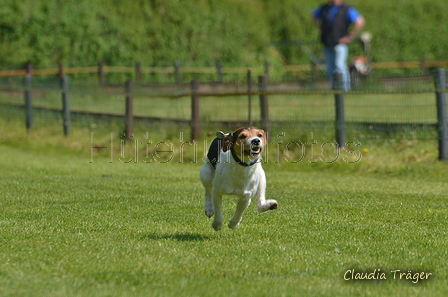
x=157, y=32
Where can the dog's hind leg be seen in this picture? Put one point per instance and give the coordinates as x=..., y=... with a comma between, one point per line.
x=241, y=206
x=219, y=217
x=263, y=204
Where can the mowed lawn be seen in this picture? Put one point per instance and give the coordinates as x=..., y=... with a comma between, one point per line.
x=74, y=228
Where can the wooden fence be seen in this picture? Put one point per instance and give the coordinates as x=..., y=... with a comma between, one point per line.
x=263, y=92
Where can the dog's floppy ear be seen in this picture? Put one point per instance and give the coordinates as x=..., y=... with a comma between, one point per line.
x=227, y=142
x=264, y=138
x=220, y=134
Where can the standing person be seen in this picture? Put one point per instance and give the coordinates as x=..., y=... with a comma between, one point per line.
x=334, y=19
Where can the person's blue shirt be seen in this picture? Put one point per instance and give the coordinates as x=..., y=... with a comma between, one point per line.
x=352, y=13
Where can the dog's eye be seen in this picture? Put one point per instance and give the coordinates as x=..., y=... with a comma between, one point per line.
x=260, y=135
x=242, y=136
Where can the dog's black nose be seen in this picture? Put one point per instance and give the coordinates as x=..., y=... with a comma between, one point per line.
x=255, y=141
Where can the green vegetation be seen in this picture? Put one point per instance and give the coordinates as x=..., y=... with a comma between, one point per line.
x=75, y=228
x=158, y=32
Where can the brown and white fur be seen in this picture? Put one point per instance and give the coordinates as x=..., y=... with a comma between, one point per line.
x=225, y=172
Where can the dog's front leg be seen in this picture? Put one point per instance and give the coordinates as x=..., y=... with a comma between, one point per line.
x=243, y=203
x=207, y=174
x=208, y=205
x=219, y=217
x=263, y=204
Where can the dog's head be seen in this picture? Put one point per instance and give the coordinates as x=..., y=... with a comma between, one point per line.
x=245, y=142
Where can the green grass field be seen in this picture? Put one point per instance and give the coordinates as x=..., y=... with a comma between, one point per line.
x=74, y=228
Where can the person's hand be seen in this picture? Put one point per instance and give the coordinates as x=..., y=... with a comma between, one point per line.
x=346, y=39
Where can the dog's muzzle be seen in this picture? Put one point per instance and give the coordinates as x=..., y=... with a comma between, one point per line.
x=256, y=145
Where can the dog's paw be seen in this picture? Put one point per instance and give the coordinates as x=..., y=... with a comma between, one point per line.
x=217, y=225
x=233, y=225
x=209, y=210
x=273, y=204
x=209, y=213
x=268, y=205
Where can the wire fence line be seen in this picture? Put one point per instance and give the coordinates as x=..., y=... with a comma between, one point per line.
x=380, y=108
x=178, y=72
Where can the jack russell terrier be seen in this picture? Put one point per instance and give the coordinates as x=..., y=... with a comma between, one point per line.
x=225, y=172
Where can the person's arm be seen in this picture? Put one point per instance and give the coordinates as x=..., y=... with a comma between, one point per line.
x=315, y=16
x=357, y=26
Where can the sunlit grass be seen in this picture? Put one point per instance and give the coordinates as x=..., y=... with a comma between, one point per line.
x=77, y=220
x=75, y=228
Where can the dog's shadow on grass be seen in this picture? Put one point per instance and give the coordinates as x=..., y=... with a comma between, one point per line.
x=187, y=236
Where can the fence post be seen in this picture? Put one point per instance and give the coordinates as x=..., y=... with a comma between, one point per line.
x=177, y=73
x=66, y=117
x=266, y=69
x=61, y=71
x=440, y=80
x=219, y=71
x=28, y=103
x=249, y=97
x=101, y=73
x=264, y=105
x=340, y=109
x=138, y=70
x=29, y=68
x=129, y=121
x=195, y=122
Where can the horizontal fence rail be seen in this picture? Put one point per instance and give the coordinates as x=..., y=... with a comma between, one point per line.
x=139, y=69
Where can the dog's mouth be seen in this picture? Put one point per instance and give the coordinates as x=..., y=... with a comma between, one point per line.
x=253, y=151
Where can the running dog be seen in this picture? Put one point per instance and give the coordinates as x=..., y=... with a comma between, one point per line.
x=226, y=172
